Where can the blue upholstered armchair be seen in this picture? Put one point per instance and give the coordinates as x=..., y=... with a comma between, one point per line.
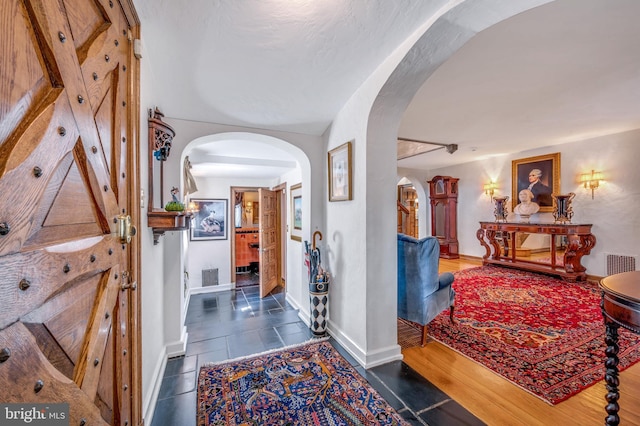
x=422, y=292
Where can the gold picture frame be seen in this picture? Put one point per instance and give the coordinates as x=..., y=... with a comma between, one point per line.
x=296, y=211
x=548, y=182
x=340, y=175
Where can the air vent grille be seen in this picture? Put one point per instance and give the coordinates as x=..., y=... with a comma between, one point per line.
x=209, y=277
x=617, y=263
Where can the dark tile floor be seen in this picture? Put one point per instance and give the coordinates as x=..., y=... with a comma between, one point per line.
x=237, y=323
x=249, y=278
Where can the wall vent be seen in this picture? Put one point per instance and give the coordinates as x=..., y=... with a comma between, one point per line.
x=617, y=263
x=209, y=277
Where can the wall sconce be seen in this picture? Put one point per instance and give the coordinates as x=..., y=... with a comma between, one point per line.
x=489, y=188
x=591, y=181
x=193, y=207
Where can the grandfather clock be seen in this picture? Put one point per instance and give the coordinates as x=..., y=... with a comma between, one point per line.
x=443, y=196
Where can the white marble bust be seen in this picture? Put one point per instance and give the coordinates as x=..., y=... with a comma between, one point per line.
x=526, y=207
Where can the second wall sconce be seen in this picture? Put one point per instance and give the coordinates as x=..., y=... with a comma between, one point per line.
x=489, y=188
x=591, y=181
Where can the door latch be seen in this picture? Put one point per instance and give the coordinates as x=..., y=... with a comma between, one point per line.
x=125, y=229
x=126, y=281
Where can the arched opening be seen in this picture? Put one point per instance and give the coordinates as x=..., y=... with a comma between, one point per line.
x=226, y=167
x=413, y=203
x=455, y=26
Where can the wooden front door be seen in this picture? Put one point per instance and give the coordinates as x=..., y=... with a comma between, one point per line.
x=268, y=241
x=68, y=317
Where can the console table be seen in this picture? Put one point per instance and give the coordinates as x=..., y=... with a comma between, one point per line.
x=620, y=308
x=498, y=239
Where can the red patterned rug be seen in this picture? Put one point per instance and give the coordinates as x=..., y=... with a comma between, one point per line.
x=541, y=333
x=307, y=385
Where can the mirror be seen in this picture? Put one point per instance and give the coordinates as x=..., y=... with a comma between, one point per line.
x=247, y=209
x=538, y=248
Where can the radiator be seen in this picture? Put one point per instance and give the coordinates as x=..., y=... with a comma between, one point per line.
x=209, y=277
x=616, y=263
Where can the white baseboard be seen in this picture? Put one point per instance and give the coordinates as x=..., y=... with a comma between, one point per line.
x=178, y=348
x=210, y=289
x=365, y=359
x=152, y=399
x=383, y=356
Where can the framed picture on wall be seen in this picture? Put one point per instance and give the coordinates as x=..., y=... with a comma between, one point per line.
x=210, y=222
x=540, y=175
x=296, y=212
x=340, y=173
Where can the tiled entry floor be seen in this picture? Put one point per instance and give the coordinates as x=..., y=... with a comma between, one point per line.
x=237, y=323
x=245, y=279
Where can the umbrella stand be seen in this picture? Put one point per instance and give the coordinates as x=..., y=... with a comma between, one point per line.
x=318, y=289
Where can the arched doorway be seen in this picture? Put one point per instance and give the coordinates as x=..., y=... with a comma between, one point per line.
x=226, y=165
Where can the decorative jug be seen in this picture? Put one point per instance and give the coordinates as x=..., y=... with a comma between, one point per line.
x=500, y=211
x=562, y=211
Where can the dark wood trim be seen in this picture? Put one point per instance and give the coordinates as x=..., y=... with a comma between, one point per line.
x=134, y=202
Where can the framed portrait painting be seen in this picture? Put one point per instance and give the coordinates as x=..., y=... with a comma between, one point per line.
x=540, y=175
x=210, y=221
x=296, y=212
x=340, y=173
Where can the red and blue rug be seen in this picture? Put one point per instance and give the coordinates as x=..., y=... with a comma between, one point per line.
x=309, y=384
x=541, y=333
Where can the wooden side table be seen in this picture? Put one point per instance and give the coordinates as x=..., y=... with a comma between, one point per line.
x=620, y=308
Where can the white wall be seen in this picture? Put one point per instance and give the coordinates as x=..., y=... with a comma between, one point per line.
x=151, y=285
x=296, y=272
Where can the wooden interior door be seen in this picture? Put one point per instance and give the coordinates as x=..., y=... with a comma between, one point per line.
x=68, y=322
x=268, y=241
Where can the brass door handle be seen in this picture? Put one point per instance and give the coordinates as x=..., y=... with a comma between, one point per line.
x=125, y=229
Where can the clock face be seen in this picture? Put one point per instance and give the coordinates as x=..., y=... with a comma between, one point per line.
x=440, y=186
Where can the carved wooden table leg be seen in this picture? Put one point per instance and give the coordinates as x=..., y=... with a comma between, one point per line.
x=620, y=308
x=611, y=374
x=480, y=236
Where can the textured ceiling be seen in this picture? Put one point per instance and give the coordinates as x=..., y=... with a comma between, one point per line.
x=565, y=71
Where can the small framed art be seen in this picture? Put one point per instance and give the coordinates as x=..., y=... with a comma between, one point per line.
x=210, y=221
x=296, y=212
x=340, y=185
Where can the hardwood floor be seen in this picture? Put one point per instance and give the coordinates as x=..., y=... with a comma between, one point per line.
x=497, y=401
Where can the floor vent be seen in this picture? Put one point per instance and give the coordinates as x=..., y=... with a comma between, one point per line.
x=617, y=263
x=209, y=277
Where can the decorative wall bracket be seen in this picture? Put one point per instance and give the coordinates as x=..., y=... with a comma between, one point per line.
x=160, y=140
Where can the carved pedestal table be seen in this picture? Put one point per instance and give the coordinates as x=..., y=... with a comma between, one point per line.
x=501, y=250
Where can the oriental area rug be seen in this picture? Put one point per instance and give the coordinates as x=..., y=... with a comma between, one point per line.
x=541, y=333
x=308, y=384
